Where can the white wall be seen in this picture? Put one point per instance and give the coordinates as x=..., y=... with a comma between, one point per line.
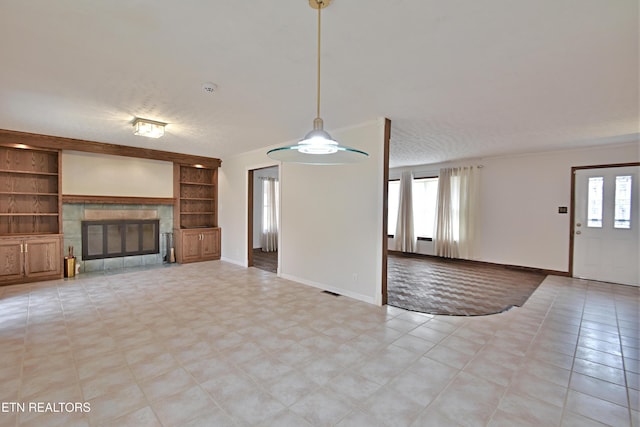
x=105, y=175
x=233, y=208
x=331, y=216
x=518, y=222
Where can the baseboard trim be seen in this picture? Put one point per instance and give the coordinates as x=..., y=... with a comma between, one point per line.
x=324, y=287
x=234, y=261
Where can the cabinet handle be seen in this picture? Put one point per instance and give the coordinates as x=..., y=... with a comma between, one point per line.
x=21, y=248
x=26, y=248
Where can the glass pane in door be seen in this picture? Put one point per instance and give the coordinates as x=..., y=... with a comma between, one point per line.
x=394, y=201
x=622, y=214
x=594, y=201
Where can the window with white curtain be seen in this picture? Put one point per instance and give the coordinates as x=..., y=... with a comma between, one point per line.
x=425, y=196
x=268, y=208
x=393, y=201
x=455, y=216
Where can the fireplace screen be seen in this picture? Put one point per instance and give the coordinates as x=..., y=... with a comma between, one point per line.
x=118, y=238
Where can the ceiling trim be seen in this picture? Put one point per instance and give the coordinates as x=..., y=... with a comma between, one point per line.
x=20, y=139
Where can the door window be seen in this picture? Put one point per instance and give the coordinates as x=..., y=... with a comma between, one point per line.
x=622, y=215
x=594, y=202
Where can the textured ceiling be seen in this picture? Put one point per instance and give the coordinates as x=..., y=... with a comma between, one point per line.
x=458, y=79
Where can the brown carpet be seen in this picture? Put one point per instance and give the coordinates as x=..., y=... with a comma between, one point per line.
x=456, y=287
x=267, y=261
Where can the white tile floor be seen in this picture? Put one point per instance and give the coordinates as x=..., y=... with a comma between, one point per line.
x=213, y=344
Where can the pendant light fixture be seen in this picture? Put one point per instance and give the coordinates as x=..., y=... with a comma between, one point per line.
x=318, y=147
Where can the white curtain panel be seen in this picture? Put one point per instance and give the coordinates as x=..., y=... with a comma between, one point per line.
x=456, y=211
x=405, y=235
x=269, y=237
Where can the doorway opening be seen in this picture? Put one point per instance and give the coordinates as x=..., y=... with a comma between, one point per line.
x=263, y=218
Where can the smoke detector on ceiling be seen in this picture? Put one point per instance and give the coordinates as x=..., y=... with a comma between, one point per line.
x=209, y=87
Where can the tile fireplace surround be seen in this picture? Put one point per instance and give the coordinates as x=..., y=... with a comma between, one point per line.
x=74, y=213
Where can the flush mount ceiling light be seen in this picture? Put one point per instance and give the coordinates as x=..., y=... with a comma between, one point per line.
x=148, y=128
x=318, y=147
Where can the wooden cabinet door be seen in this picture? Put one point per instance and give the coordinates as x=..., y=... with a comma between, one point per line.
x=190, y=246
x=11, y=260
x=198, y=245
x=211, y=244
x=43, y=257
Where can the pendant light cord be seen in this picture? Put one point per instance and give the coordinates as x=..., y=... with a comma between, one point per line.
x=318, y=147
x=318, y=94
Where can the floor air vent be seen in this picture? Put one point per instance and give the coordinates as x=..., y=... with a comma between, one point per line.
x=331, y=293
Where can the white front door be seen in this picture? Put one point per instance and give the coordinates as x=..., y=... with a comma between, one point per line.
x=606, y=225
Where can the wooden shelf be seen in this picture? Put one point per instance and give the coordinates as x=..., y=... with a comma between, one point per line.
x=196, y=213
x=119, y=200
x=196, y=183
x=25, y=172
x=29, y=214
x=28, y=193
x=35, y=235
x=30, y=200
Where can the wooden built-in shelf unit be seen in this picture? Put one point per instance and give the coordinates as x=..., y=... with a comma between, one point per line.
x=30, y=200
x=195, y=213
x=196, y=192
x=30, y=214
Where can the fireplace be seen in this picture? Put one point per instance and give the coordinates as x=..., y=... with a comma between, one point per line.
x=120, y=238
x=75, y=214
